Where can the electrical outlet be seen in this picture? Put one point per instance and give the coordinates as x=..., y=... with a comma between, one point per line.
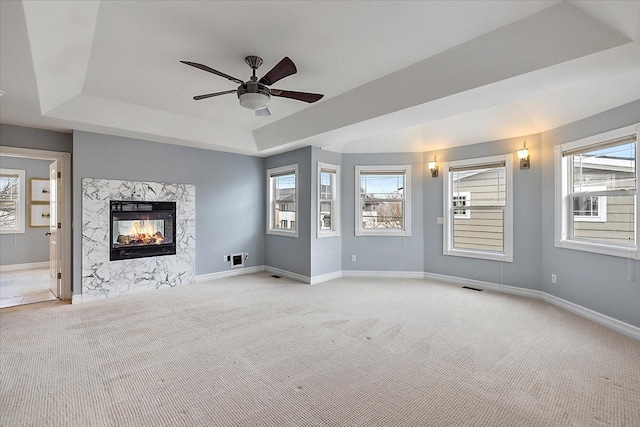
x=553, y=278
x=439, y=220
x=224, y=258
x=353, y=258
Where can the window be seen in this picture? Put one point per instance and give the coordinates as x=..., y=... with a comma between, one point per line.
x=383, y=200
x=596, y=193
x=484, y=228
x=328, y=200
x=12, y=201
x=282, y=201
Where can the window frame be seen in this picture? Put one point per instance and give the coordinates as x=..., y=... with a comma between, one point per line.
x=406, y=200
x=272, y=173
x=20, y=203
x=335, y=229
x=564, y=207
x=448, y=215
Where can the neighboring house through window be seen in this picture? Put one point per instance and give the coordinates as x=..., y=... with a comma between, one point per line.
x=383, y=200
x=460, y=199
x=478, y=220
x=12, y=201
x=282, y=199
x=328, y=200
x=596, y=193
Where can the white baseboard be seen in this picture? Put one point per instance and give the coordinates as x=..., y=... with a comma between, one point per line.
x=326, y=277
x=599, y=318
x=28, y=266
x=513, y=290
x=288, y=274
x=230, y=273
x=384, y=274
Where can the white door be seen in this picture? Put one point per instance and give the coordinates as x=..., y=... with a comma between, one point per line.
x=55, y=255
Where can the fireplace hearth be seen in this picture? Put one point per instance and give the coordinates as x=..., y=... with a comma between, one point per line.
x=142, y=229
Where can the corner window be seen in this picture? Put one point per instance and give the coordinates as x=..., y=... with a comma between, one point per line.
x=596, y=193
x=12, y=201
x=282, y=201
x=328, y=200
x=478, y=220
x=383, y=200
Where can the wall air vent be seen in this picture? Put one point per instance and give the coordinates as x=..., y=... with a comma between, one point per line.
x=237, y=260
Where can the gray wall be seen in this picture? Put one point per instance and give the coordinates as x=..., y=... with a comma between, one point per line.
x=229, y=192
x=288, y=253
x=38, y=139
x=326, y=253
x=609, y=285
x=525, y=270
x=32, y=245
x=382, y=253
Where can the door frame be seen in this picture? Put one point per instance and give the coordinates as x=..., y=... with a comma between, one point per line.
x=66, y=291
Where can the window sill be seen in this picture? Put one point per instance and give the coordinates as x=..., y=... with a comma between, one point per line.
x=383, y=233
x=598, y=248
x=18, y=231
x=283, y=233
x=323, y=234
x=491, y=256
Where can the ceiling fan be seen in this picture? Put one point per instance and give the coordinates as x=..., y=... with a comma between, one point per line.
x=255, y=94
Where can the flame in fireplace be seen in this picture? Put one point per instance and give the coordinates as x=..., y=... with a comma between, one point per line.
x=141, y=232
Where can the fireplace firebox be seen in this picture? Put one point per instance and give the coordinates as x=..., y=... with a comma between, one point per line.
x=142, y=229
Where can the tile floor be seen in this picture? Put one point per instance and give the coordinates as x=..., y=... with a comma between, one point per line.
x=24, y=287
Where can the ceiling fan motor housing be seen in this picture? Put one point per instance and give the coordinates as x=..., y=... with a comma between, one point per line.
x=253, y=95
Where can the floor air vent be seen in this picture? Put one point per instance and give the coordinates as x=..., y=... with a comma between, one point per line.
x=473, y=289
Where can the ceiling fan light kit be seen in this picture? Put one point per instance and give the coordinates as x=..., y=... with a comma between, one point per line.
x=254, y=101
x=255, y=94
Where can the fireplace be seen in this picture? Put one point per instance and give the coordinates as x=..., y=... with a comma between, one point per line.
x=142, y=229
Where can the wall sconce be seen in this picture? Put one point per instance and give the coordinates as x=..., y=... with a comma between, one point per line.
x=523, y=155
x=433, y=167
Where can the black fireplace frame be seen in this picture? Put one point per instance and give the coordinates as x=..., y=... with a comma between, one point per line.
x=132, y=252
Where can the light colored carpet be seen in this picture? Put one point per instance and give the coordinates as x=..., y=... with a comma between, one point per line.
x=258, y=351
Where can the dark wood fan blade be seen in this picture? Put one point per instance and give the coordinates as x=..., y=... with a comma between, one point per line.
x=284, y=68
x=300, y=96
x=211, y=95
x=263, y=112
x=211, y=70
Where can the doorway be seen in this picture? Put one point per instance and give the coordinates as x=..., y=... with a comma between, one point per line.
x=35, y=262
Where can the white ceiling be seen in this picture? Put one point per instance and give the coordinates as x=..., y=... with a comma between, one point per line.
x=397, y=76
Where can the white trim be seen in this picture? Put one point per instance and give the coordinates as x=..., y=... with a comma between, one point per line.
x=65, y=232
x=447, y=206
x=512, y=290
x=564, y=206
x=287, y=274
x=335, y=202
x=326, y=277
x=406, y=199
x=21, y=203
x=26, y=266
x=270, y=200
x=383, y=274
x=200, y=278
x=599, y=318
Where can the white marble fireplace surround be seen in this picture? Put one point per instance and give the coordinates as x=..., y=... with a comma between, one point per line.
x=102, y=278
